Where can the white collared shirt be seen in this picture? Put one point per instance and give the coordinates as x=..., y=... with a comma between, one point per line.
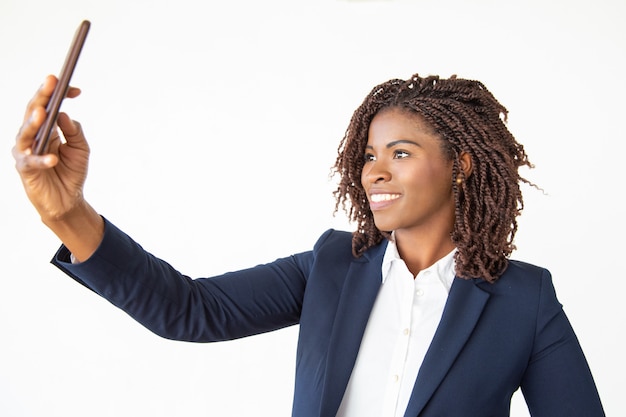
x=401, y=326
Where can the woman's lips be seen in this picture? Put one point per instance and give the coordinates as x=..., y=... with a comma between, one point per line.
x=380, y=201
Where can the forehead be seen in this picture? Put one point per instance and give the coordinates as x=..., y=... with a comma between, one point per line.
x=398, y=123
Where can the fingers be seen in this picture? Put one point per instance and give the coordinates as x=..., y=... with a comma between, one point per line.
x=41, y=97
x=43, y=94
x=34, y=117
x=36, y=113
x=25, y=161
x=22, y=151
x=26, y=135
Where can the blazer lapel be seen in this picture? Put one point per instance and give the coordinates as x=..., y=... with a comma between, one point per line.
x=463, y=309
x=357, y=299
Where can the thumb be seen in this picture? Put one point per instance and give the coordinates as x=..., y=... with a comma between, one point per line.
x=72, y=130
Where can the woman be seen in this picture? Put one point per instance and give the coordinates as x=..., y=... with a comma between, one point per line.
x=419, y=312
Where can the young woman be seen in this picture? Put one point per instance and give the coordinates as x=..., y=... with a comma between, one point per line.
x=419, y=312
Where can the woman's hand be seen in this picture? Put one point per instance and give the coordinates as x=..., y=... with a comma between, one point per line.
x=54, y=182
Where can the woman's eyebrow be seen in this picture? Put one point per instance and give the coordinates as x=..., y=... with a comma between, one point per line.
x=394, y=143
x=400, y=141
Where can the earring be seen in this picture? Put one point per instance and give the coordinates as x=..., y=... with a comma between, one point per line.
x=459, y=180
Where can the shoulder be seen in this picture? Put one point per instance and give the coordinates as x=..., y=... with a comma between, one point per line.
x=519, y=273
x=334, y=240
x=524, y=268
x=525, y=283
x=332, y=247
x=339, y=244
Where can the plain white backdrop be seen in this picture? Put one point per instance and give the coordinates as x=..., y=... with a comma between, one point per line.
x=213, y=127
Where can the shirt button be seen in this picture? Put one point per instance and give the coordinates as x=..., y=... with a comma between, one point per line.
x=396, y=378
x=405, y=332
x=419, y=292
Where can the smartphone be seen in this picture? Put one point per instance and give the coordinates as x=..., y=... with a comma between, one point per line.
x=40, y=145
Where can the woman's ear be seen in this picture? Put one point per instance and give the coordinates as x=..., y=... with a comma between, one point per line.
x=465, y=163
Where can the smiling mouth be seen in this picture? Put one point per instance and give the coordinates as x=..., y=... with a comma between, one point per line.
x=379, y=198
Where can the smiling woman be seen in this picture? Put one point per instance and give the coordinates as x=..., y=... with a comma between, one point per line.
x=419, y=305
x=460, y=127
x=407, y=176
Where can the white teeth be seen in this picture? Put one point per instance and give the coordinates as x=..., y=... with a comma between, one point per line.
x=377, y=198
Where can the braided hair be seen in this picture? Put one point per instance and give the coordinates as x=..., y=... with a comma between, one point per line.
x=468, y=119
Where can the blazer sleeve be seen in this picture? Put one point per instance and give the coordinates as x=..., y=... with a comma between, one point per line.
x=558, y=381
x=174, y=306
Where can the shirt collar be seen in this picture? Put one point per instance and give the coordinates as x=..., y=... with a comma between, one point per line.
x=444, y=267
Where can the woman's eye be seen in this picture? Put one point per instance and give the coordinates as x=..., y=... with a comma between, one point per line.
x=368, y=157
x=400, y=154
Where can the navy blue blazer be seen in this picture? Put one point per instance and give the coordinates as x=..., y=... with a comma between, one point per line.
x=492, y=338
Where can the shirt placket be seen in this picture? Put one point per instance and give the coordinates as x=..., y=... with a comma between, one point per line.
x=397, y=369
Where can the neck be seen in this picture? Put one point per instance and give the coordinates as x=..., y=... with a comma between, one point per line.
x=421, y=251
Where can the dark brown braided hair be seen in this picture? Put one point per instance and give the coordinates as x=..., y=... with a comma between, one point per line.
x=468, y=118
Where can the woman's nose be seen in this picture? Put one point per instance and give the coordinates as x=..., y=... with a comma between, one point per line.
x=376, y=172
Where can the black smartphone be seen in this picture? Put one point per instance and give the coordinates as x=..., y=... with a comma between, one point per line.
x=40, y=145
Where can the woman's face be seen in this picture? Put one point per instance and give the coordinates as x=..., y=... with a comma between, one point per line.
x=406, y=175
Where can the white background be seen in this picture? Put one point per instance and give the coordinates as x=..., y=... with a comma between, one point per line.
x=213, y=126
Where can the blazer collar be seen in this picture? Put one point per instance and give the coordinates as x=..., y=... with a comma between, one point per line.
x=355, y=304
x=465, y=304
